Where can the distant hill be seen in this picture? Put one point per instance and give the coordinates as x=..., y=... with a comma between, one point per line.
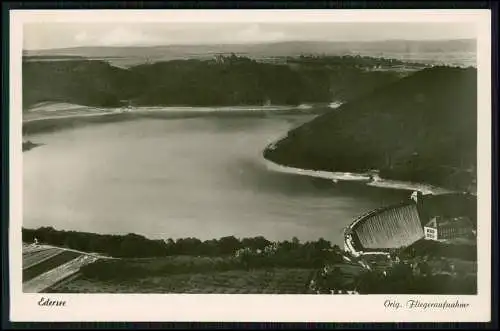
x=442, y=51
x=228, y=80
x=90, y=83
x=421, y=128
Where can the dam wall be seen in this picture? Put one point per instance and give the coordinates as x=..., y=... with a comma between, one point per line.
x=385, y=229
x=381, y=230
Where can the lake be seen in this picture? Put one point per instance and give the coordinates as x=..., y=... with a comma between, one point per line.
x=200, y=177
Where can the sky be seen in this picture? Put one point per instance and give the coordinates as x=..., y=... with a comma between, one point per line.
x=64, y=34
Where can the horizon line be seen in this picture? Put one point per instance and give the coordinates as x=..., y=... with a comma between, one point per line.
x=251, y=43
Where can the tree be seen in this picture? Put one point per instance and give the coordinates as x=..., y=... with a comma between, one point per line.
x=229, y=244
x=255, y=243
x=370, y=282
x=322, y=244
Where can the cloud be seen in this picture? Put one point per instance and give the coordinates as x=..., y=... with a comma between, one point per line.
x=59, y=35
x=82, y=36
x=254, y=33
x=117, y=36
x=195, y=34
x=123, y=36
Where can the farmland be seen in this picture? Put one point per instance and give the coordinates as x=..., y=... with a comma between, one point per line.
x=262, y=281
x=48, y=264
x=44, y=266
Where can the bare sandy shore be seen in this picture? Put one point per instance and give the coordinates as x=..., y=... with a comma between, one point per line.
x=359, y=177
x=49, y=110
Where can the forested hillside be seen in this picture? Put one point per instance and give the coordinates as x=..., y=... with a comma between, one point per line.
x=421, y=128
x=229, y=80
x=91, y=83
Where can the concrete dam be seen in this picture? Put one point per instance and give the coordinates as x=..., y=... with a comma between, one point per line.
x=384, y=229
x=390, y=228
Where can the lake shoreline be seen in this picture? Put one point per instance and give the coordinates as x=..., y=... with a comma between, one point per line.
x=188, y=112
x=352, y=200
x=72, y=116
x=47, y=112
x=359, y=177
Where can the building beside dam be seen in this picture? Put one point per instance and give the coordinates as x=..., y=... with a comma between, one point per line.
x=443, y=229
x=383, y=230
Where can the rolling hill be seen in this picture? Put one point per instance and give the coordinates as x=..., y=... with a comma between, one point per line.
x=227, y=81
x=421, y=128
x=84, y=82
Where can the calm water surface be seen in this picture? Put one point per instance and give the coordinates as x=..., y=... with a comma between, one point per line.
x=200, y=177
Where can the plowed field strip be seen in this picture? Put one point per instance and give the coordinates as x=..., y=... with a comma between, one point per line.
x=34, y=259
x=32, y=250
x=49, y=278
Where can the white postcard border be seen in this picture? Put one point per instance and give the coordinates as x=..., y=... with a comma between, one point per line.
x=249, y=307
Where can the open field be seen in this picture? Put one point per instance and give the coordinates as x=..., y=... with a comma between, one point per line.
x=270, y=281
x=196, y=274
x=53, y=269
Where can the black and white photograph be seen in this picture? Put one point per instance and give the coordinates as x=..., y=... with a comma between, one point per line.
x=324, y=158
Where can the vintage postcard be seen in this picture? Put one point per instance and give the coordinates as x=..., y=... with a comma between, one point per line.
x=285, y=166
